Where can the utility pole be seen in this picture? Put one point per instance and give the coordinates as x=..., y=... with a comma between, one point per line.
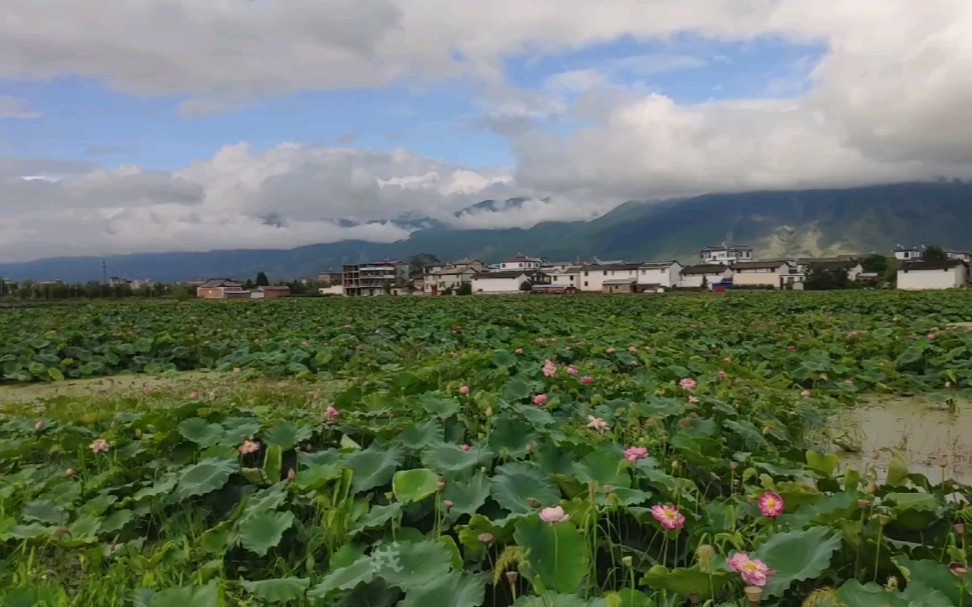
x=104, y=272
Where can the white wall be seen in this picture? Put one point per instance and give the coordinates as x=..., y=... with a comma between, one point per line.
x=331, y=290
x=917, y=280
x=567, y=279
x=666, y=277
x=761, y=277
x=498, y=285
x=694, y=281
x=594, y=281
x=520, y=265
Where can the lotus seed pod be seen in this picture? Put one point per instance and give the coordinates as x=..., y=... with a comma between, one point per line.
x=754, y=594
x=705, y=555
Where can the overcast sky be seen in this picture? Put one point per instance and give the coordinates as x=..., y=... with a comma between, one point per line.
x=125, y=128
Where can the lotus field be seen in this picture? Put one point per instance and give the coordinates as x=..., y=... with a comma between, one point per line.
x=464, y=452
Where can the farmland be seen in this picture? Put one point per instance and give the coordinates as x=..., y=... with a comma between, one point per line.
x=458, y=452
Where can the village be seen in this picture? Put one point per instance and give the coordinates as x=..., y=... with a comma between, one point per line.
x=719, y=269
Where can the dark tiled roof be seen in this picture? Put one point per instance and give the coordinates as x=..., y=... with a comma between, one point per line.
x=220, y=282
x=503, y=274
x=758, y=265
x=708, y=268
x=620, y=281
x=658, y=264
x=610, y=266
x=931, y=265
x=829, y=263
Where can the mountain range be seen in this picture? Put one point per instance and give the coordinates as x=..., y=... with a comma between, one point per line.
x=775, y=223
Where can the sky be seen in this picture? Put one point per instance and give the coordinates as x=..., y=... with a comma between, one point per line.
x=130, y=126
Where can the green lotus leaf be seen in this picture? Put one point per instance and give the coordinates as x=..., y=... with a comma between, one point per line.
x=374, y=467
x=287, y=435
x=279, y=590
x=44, y=511
x=411, y=486
x=116, y=521
x=628, y=598
x=468, y=496
x=316, y=477
x=935, y=576
x=201, y=432
x=511, y=437
x=197, y=596
x=439, y=406
x=452, y=462
x=796, y=556
x=410, y=564
x=516, y=389
x=378, y=516
x=452, y=590
x=422, y=434
x=204, y=477
x=264, y=530
x=918, y=594
x=558, y=554
x=504, y=358
x=516, y=484
x=686, y=582
x=603, y=467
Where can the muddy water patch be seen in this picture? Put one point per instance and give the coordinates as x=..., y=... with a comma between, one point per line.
x=922, y=432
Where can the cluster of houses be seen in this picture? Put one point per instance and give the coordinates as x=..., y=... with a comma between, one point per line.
x=720, y=268
x=224, y=288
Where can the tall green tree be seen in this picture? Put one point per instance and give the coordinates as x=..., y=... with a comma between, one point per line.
x=875, y=263
x=826, y=278
x=934, y=254
x=415, y=263
x=262, y=280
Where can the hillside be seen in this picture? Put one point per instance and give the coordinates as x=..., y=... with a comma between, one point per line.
x=804, y=222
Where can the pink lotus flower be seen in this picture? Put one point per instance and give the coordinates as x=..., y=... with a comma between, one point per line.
x=805, y=394
x=587, y=380
x=694, y=400
x=771, y=504
x=332, y=413
x=791, y=348
x=632, y=349
x=467, y=448
x=100, y=445
x=668, y=517
x=633, y=454
x=688, y=383
x=554, y=515
x=39, y=425
x=540, y=400
x=70, y=472
x=610, y=350
x=194, y=395
x=754, y=572
x=519, y=350
x=573, y=371
x=721, y=375
x=931, y=336
x=596, y=423
x=249, y=447
x=549, y=369
x=853, y=334
x=727, y=360
x=464, y=390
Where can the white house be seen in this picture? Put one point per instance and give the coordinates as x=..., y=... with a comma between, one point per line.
x=725, y=255
x=693, y=277
x=922, y=275
x=451, y=276
x=331, y=290
x=768, y=274
x=521, y=262
x=960, y=255
x=662, y=274
x=847, y=263
x=507, y=283
x=567, y=277
x=592, y=276
x=907, y=253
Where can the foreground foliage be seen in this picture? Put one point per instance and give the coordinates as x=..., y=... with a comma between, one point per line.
x=576, y=452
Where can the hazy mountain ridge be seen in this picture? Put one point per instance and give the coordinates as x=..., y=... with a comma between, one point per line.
x=776, y=224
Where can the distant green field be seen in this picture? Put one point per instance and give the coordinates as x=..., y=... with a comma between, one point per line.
x=474, y=451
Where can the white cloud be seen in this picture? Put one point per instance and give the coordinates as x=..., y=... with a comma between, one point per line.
x=13, y=108
x=888, y=101
x=316, y=194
